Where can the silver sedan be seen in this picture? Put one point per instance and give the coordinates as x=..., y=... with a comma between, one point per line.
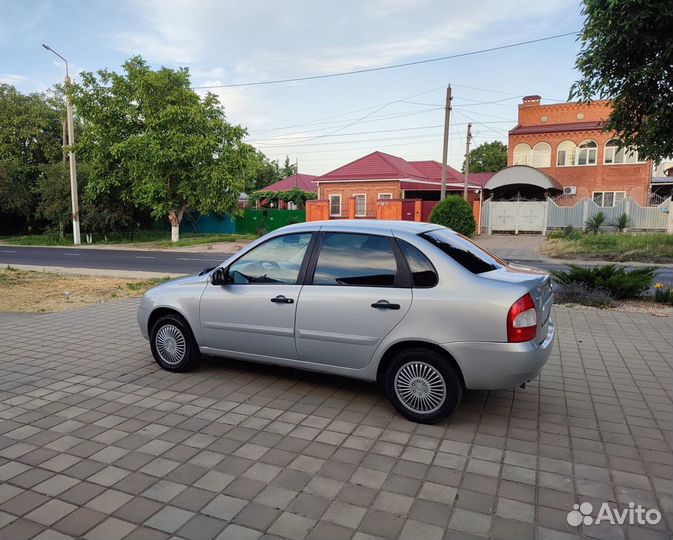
x=417, y=307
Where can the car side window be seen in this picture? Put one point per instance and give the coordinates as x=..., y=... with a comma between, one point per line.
x=423, y=273
x=276, y=261
x=355, y=260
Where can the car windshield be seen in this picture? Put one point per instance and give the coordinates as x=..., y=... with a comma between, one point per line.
x=464, y=251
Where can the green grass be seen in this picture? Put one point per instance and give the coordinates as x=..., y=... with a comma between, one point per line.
x=138, y=286
x=145, y=238
x=648, y=247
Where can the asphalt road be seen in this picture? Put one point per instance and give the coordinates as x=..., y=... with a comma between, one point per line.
x=112, y=259
x=164, y=261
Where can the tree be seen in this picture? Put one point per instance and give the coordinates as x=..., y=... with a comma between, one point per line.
x=288, y=168
x=488, y=157
x=148, y=136
x=627, y=57
x=455, y=213
x=30, y=137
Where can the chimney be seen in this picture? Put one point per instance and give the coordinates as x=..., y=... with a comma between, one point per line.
x=531, y=101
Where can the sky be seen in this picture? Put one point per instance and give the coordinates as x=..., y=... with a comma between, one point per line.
x=321, y=124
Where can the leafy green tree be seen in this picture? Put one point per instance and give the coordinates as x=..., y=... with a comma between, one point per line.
x=288, y=168
x=488, y=157
x=149, y=137
x=455, y=213
x=53, y=194
x=30, y=137
x=627, y=57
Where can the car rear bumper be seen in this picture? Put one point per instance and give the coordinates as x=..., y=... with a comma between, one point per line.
x=495, y=366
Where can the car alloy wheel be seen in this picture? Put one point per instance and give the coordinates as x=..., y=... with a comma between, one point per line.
x=420, y=387
x=171, y=344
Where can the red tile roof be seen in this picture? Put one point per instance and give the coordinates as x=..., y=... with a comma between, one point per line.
x=305, y=182
x=374, y=166
x=556, y=128
x=426, y=174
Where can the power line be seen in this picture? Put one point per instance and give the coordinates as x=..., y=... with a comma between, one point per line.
x=392, y=66
x=282, y=137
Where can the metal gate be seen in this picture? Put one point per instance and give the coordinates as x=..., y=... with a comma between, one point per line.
x=408, y=209
x=516, y=216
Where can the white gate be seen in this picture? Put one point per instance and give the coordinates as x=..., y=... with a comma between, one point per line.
x=516, y=216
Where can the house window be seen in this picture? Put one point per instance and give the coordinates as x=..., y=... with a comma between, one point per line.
x=614, y=154
x=335, y=205
x=608, y=198
x=541, y=155
x=586, y=153
x=360, y=205
x=521, y=154
x=386, y=196
x=565, y=154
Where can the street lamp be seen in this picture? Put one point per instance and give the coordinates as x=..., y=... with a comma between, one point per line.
x=71, y=154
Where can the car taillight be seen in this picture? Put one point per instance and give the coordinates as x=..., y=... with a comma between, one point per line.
x=522, y=320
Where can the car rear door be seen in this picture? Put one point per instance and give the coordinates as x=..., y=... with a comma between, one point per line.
x=356, y=292
x=253, y=315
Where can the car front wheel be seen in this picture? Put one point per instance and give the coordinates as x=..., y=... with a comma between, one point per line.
x=173, y=345
x=423, y=386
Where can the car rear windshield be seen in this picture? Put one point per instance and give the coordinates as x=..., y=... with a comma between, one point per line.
x=464, y=251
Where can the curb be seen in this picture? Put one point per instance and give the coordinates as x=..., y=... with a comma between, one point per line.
x=106, y=272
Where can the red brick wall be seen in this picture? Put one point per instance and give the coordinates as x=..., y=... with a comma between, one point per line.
x=371, y=188
x=632, y=178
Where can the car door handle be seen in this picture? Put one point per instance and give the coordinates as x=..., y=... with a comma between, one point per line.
x=280, y=299
x=384, y=304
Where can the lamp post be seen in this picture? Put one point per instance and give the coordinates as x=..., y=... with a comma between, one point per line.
x=71, y=154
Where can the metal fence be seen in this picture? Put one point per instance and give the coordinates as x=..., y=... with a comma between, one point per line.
x=645, y=218
x=256, y=221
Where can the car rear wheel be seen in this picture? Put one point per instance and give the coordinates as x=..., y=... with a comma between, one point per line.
x=423, y=386
x=173, y=345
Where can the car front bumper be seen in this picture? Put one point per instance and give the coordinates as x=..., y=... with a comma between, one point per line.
x=143, y=318
x=496, y=366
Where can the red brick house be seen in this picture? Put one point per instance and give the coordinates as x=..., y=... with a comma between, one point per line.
x=379, y=176
x=565, y=141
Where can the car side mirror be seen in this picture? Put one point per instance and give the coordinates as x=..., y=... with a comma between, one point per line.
x=219, y=277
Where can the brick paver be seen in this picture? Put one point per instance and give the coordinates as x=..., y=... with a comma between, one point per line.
x=97, y=442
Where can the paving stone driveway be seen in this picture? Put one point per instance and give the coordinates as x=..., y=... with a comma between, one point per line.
x=97, y=442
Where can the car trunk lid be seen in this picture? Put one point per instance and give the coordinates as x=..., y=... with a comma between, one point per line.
x=538, y=284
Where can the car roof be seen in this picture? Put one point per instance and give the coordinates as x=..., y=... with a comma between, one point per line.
x=363, y=225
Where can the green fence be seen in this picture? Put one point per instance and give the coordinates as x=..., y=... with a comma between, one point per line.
x=254, y=221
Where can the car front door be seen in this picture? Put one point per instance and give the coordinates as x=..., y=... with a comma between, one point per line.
x=252, y=315
x=354, y=297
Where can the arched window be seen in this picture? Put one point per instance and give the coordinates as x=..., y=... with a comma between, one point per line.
x=586, y=153
x=565, y=154
x=521, y=154
x=541, y=155
x=613, y=153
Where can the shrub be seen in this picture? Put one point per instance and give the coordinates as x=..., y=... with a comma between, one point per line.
x=595, y=222
x=455, y=213
x=663, y=293
x=619, y=282
x=579, y=293
x=622, y=222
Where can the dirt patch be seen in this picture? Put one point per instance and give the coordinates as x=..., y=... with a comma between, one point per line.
x=632, y=306
x=45, y=292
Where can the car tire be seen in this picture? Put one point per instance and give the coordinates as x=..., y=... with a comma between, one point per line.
x=422, y=385
x=173, y=345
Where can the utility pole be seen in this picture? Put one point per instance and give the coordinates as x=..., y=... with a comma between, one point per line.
x=445, y=152
x=467, y=158
x=71, y=155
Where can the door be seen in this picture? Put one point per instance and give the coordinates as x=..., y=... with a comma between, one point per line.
x=253, y=314
x=353, y=298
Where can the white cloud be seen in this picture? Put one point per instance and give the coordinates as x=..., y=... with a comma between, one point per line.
x=12, y=78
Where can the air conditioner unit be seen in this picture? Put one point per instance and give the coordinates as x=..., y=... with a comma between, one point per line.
x=570, y=190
